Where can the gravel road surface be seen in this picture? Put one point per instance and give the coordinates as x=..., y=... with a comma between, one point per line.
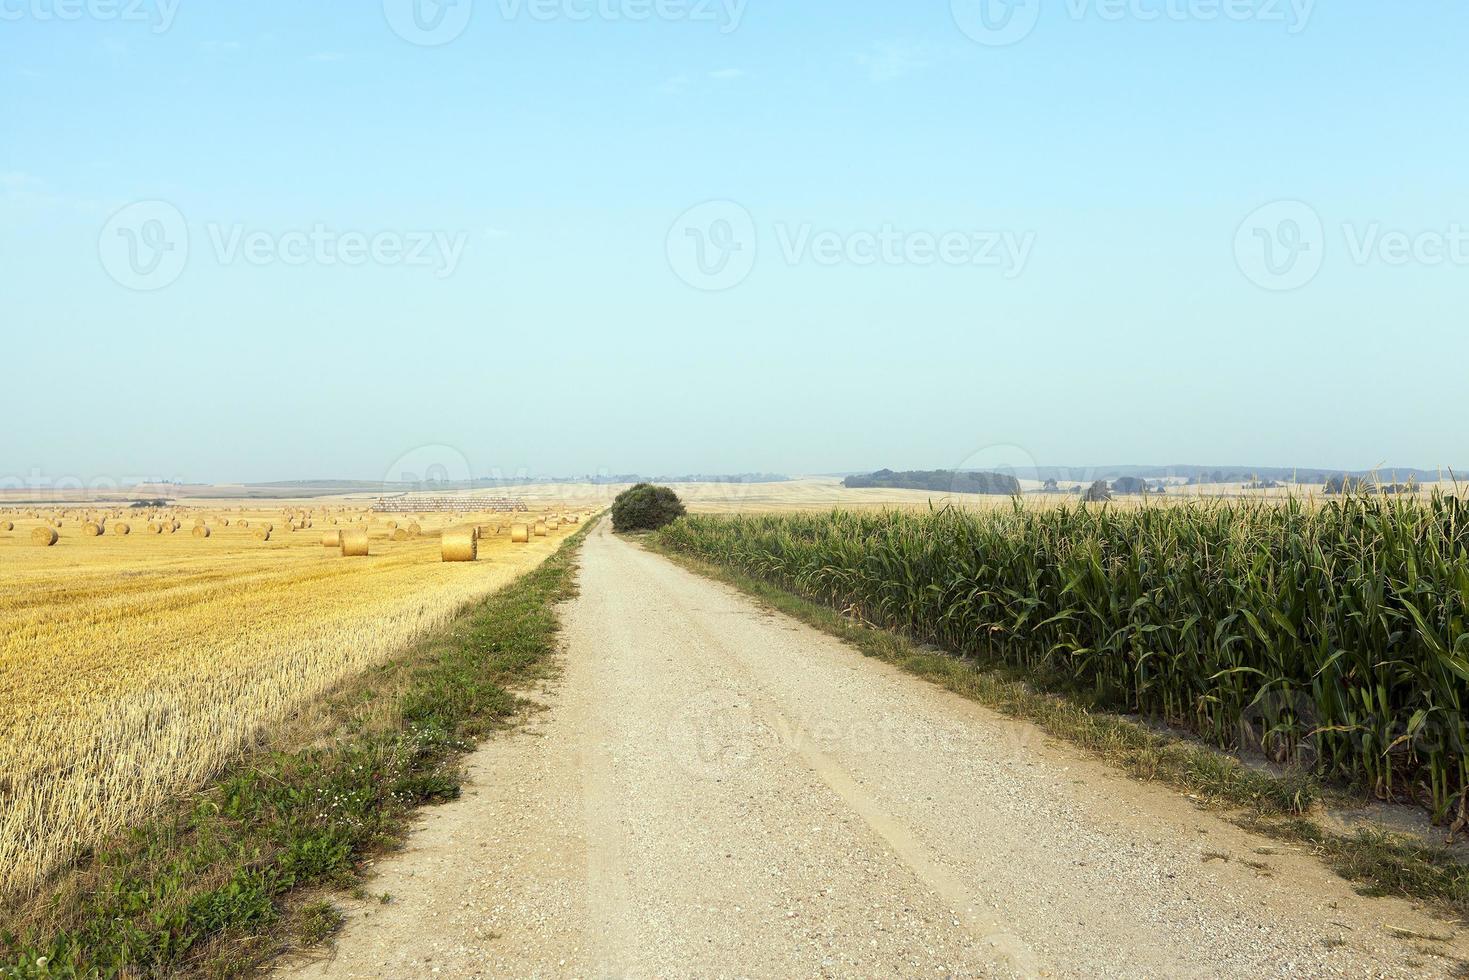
x=717, y=790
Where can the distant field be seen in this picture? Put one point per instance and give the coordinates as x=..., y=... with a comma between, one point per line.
x=826, y=493
x=133, y=666
x=799, y=494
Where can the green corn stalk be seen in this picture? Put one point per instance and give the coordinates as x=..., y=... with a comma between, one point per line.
x=1332, y=636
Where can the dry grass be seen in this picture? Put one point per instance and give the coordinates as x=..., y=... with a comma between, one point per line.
x=133, y=667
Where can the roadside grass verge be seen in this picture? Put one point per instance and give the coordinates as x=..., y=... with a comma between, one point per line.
x=1275, y=804
x=231, y=876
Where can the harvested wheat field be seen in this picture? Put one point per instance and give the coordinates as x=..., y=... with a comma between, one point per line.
x=134, y=665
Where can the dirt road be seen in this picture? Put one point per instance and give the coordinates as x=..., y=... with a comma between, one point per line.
x=716, y=790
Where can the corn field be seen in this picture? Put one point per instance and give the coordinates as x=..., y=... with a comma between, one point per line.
x=1330, y=636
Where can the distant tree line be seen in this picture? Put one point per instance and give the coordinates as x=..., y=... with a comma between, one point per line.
x=1131, y=485
x=1344, y=483
x=1100, y=491
x=938, y=481
x=615, y=479
x=1219, y=476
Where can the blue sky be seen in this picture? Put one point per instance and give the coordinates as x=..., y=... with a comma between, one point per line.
x=269, y=240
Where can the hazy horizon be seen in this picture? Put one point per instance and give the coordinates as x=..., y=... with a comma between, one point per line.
x=428, y=474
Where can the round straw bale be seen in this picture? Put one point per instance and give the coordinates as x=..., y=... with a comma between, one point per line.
x=224, y=522
x=459, y=544
x=121, y=528
x=331, y=539
x=400, y=535
x=268, y=525
x=174, y=526
x=7, y=525
x=541, y=531
x=154, y=527
x=414, y=530
x=243, y=523
x=44, y=536
x=201, y=530
x=354, y=544
x=519, y=533
x=392, y=525
x=93, y=528
x=261, y=533
x=573, y=519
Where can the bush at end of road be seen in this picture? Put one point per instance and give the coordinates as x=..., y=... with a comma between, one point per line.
x=645, y=508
